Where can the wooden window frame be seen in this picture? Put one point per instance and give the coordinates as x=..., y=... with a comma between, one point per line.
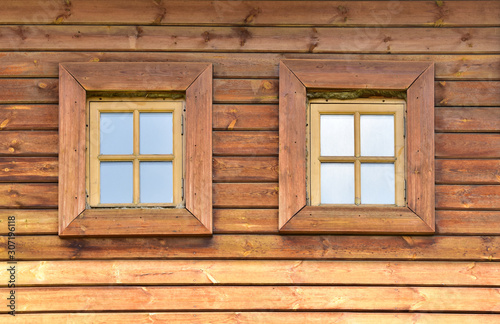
x=76, y=81
x=356, y=108
x=417, y=79
x=96, y=106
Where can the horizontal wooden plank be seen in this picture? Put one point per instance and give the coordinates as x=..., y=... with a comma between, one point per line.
x=28, y=195
x=467, y=145
x=245, y=117
x=249, y=39
x=291, y=247
x=250, y=317
x=28, y=169
x=245, y=143
x=468, y=171
x=247, y=221
x=255, y=13
x=245, y=169
x=27, y=143
x=468, y=197
x=467, y=119
x=242, y=298
x=243, y=65
x=468, y=222
x=28, y=117
x=245, y=195
x=30, y=221
x=463, y=93
x=467, y=93
x=252, y=272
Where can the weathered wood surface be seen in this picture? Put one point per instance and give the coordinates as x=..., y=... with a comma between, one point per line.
x=261, y=221
x=245, y=195
x=465, y=197
x=27, y=143
x=467, y=145
x=28, y=195
x=467, y=119
x=468, y=171
x=245, y=117
x=244, y=169
x=245, y=143
x=253, y=195
x=243, y=65
x=253, y=272
x=456, y=93
x=255, y=13
x=253, y=39
x=250, y=317
x=270, y=297
x=291, y=247
x=28, y=117
x=28, y=169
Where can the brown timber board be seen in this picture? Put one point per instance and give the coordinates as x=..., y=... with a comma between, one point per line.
x=27, y=143
x=467, y=145
x=243, y=65
x=245, y=143
x=28, y=117
x=291, y=247
x=468, y=197
x=15, y=169
x=253, y=272
x=28, y=195
x=248, y=221
x=249, y=39
x=245, y=169
x=457, y=93
x=467, y=119
x=468, y=171
x=250, y=317
x=245, y=117
x=245, y=195
x=255, y=13
x=295, y=298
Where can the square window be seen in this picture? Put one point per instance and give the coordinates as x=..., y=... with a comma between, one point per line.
x=326, y=155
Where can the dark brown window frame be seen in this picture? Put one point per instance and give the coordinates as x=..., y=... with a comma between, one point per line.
x=75, y=80
x=417, y=79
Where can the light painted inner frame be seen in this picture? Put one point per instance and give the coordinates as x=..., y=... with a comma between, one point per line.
x=99, y=105
x=358, y=107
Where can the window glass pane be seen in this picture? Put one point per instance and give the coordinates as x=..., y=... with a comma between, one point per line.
x=116, y=182
x=337, y=135
x=156, y=133
x=117, y=133
x=156, y=182
x=377, y=183
x=337, y=183
x=377, y=135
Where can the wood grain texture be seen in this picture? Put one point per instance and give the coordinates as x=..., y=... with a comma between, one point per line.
x=245, y=169
x=254, y=272
x=468, y=222
x=450, y=145
x=250, y=317
x=198, y=149
x=30, y=221
x=467, y=119
x=28, y=143
x=246, y=221
x=255, y=13
x=28, y=195
x=28, y=169
x=254, y=91
x=468, y=197
x=468, y=93
x=245, y=117
x=243, y=65
x=265, y=247
x=468, y=171
x=28, y=117
x=292, y=145
x=248, y=143
x=270, y=297
x=249, y=39
x=245, y=195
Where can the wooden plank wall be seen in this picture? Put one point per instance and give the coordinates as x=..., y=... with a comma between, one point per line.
x=246, y=271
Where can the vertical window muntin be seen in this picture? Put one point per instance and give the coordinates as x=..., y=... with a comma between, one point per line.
x=355, y=108
x=98, y=106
